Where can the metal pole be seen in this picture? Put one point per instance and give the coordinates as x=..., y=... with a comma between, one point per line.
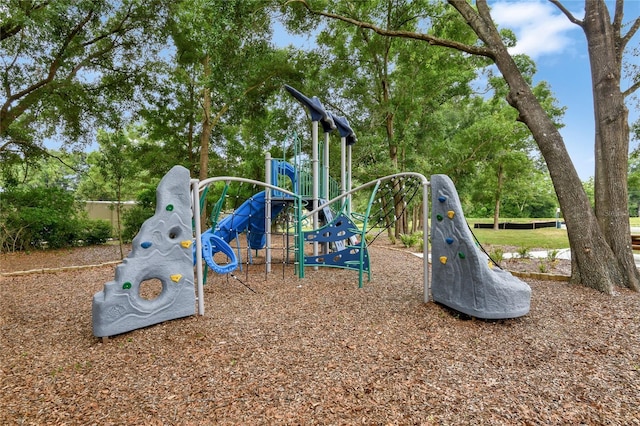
x=425, y=233
x=349, y=179
x=325, y=168
x=314, y=176
x=325, y=178
x=267, y=210
x=343, y=165
x=195, y=195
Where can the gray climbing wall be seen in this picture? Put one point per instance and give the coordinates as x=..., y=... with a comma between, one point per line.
x=463, y=277
x=161, y=250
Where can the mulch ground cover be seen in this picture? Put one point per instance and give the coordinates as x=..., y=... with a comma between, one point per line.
x=313, y=351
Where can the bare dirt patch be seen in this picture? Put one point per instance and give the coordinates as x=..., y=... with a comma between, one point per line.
x=314, y=351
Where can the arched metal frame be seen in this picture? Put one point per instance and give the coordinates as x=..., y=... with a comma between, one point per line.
x=346, y=197
x=199, y=186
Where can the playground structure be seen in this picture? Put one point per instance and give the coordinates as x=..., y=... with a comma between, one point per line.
x=324, y=229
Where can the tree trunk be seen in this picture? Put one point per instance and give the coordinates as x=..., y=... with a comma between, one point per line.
x=398, y=199
x=190, y=132
x=206, y=132
x=496, y=210
x=118, y=207
x=206, y=121
x=611, y=137
x=593, y=261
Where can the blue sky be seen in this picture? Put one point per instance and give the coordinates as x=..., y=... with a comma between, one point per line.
x=559, y=49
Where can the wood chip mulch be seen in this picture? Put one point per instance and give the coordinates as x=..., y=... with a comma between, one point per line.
x=313, y=351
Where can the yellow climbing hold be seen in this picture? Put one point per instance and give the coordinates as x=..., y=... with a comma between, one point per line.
x=443, y=259
x=491, y=265
x=176, y=277
x=451, y=214
x=186, y=243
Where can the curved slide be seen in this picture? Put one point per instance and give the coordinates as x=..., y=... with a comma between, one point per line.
x=212, y=244
x=250, y=216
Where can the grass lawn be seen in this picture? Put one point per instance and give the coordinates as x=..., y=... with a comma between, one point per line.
x=544, y=238
x=547, y=238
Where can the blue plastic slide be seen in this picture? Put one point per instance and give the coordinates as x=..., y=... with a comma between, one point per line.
x=282, y=168
x=250, y=217
x=212, y=244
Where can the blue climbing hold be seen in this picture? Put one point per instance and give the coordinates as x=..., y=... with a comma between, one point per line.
x=449, y=240
x=145, y=244
x=442, y=198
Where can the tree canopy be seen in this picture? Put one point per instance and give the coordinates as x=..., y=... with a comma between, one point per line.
x=70, y=66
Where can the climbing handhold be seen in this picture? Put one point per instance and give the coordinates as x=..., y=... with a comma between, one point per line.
x=461, y=255
x=443, y=259
x=439, y=217
x=451, y=214
x=442, y=198
x=449, y=240
x=126, y=286
x=169, y=207
x=186, y=243
x=175, y=277
x=145, y=244
x=491, y=265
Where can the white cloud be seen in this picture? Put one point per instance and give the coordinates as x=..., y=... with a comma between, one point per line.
x=540, y=27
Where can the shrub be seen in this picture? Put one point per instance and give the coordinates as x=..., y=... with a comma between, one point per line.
x=497, y=255
x=133, y=218
x=552, y=255
x=369, y=238
x=409, y=240
x=542, y=267
x=524, y=252
x=96, y=231
x=37, y=218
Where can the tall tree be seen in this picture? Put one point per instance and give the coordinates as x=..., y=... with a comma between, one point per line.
x=116, y=166
x=601, y=258
x=225, y=45
x=606, y=44
x=388, y=84
x=171, y=121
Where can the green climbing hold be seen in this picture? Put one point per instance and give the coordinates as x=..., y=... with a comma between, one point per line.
x=461, y=255
x=126, y=286
x=169, y=207
x=439, y=217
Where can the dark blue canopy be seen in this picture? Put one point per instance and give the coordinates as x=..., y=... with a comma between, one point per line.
x=317, y=111
x=344, y=129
